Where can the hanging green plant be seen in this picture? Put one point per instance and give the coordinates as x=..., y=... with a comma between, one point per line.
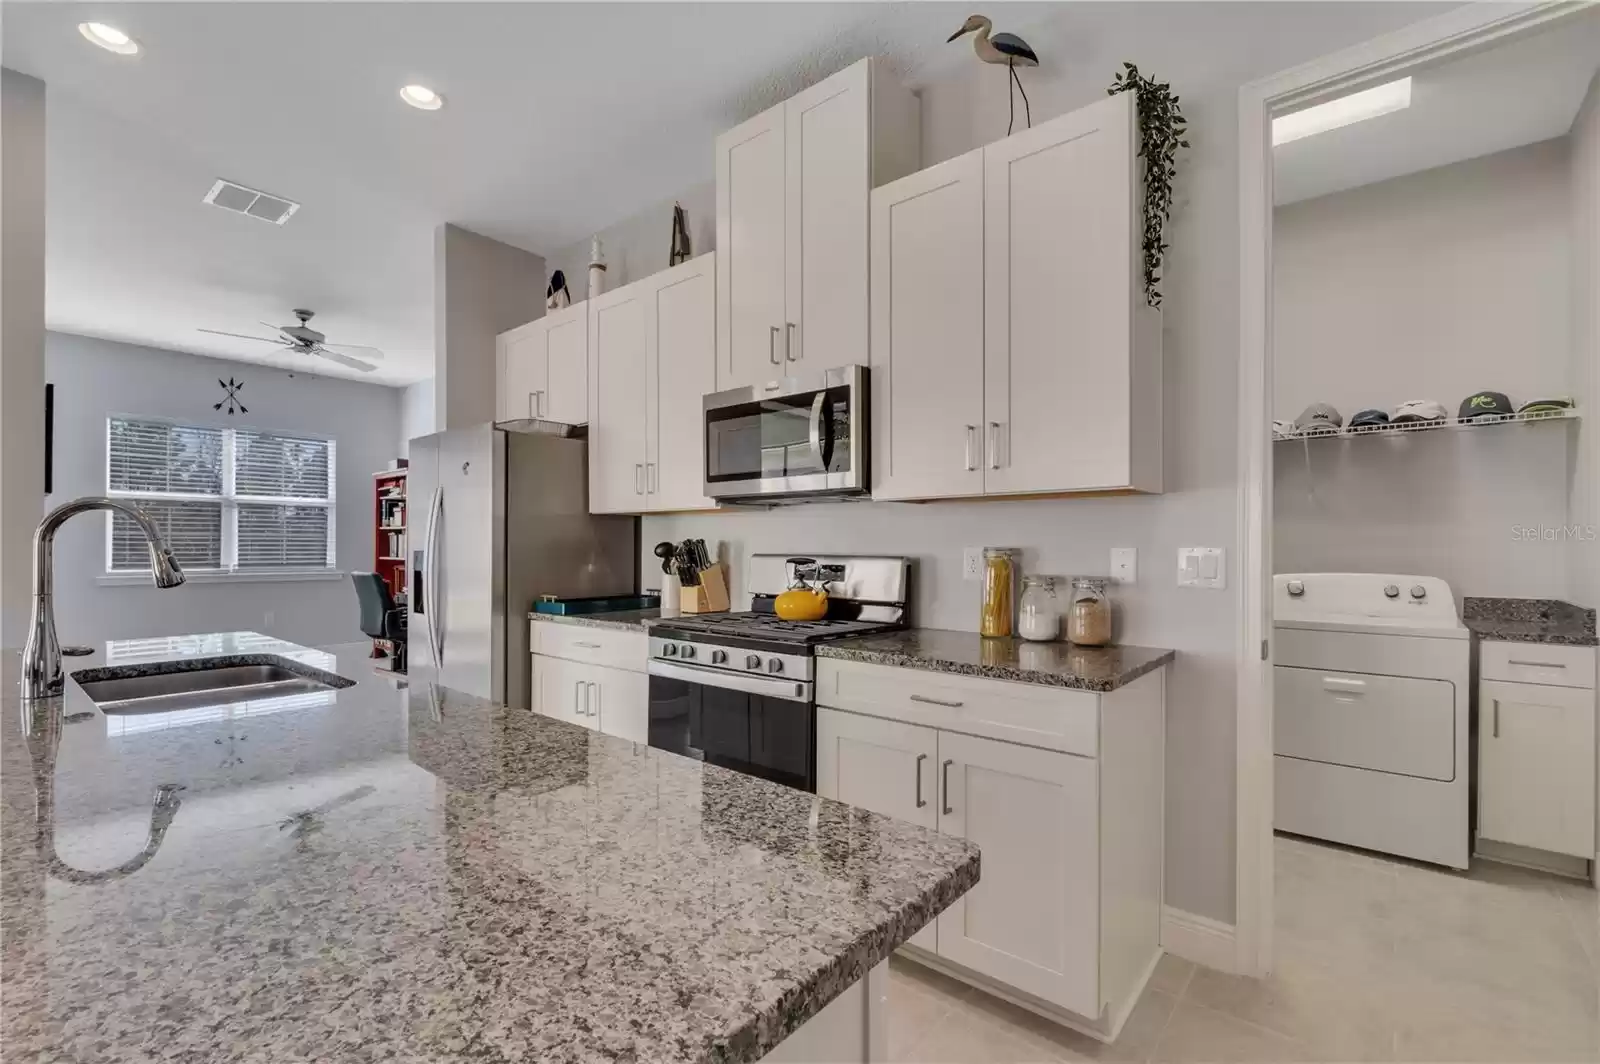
x=1162, y=130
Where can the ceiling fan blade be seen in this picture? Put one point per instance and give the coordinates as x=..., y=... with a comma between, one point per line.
x=242, y=336
x=343, y=360
x=362, y=349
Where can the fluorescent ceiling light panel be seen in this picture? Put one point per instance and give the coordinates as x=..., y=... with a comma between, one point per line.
x=1346, y=110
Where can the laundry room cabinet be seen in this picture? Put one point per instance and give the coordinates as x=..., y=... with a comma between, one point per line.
x=542, y=368
x=792, y=209
x=1013, y=351
x=652, y=358
x=1536, y=748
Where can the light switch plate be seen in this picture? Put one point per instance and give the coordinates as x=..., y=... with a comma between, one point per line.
x=1202, y=567
x=972, y=563
x=1125, y=564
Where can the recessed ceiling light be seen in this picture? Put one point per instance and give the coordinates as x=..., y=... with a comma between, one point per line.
x=1346, y=110
x=109, y=37
x=422, y=97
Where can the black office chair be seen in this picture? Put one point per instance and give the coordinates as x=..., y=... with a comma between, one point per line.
x=380, y=617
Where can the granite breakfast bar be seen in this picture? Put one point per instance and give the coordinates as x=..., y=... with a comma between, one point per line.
x=383, y=873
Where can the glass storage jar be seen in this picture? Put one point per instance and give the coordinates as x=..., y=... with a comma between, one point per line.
x=999, y=592
x=1039, y=612
x=1089, y=616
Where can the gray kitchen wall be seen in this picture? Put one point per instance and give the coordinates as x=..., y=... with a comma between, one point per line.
x=1207, y=51
x=416, y=415
x=97, y=378
x=641, y=244
x=1583, y=550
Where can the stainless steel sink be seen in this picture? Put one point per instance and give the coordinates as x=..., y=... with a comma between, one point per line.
x=135, y=689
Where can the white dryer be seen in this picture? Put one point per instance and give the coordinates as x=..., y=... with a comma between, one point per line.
x=1371, y=713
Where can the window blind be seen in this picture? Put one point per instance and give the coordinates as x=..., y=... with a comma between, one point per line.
x=224, y=499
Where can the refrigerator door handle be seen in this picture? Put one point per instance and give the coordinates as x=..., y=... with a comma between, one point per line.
x=435, y=629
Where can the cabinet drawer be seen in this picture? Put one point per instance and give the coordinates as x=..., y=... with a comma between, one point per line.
x=999, y=709
x=1559, y=666
x=596, y=646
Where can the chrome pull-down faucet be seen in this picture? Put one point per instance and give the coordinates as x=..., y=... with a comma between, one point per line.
x=41, y=657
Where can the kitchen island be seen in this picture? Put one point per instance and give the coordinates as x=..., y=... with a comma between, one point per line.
x=386, y=873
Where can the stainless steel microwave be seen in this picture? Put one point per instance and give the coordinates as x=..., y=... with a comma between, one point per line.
x=789, y=438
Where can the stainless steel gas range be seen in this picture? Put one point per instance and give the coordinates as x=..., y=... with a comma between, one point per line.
x=738, y=689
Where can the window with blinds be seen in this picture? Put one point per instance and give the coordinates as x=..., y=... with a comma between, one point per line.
x=231, y=500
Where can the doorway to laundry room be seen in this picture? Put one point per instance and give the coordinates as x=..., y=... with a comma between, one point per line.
x=1434, y=234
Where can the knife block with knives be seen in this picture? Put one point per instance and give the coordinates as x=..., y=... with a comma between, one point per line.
x=704, y=585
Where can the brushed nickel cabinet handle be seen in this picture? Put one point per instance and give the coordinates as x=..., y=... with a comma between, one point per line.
x=972, y=432
x=638, y=478
x=946, y=781
x=576, y=688
x=1497, y=718
x=994, y=445
x=788, y=343
x=920, y=800
x=1536, y=664
x=772, y=345
x=588, y=646
x=937, y=702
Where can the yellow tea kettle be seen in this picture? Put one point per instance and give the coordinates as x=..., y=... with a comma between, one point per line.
x=802, y=602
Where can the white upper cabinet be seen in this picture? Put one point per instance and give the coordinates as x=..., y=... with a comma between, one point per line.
x=792, y=218
x=1069, y=363
x=927, y=333
x=543, y=368
x=682, y=343
x=652, y=359
x=618, y=398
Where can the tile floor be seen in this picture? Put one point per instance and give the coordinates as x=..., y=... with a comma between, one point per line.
x=1377, y=960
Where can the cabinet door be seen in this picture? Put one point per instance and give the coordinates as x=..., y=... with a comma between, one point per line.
x=622, y=703
x=927, y=333
x=617, y=399
x=1536, y=766
x=1060, y=275
x=829, y=162
x=566, y=397
x=561, y=689
x=883, y=766
x=1033, y=920
x=525, y=383
x=750, y=235
x=683, y=368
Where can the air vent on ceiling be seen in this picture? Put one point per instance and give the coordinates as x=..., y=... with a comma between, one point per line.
x=242, y=200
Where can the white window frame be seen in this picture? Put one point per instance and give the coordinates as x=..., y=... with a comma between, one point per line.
x=230, y=502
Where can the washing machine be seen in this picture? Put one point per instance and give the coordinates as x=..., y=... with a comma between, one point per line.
x=1371, y=686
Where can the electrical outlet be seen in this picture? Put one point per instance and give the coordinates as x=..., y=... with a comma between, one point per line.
x=266, y=621
x=1124, y=564
x=972, y=563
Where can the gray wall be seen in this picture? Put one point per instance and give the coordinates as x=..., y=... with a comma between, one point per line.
x=481, y=288
x=416, y=415
x=96, y=378
x=1583, y=553
x=1207, y=51
x=640, y=244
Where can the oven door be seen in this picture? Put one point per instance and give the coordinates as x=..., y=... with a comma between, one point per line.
x=795, y=436
x=753, y=724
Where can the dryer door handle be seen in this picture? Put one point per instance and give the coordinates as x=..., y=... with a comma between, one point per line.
x=1344, y=686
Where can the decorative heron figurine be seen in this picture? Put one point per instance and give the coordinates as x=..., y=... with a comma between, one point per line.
x=1005, y=48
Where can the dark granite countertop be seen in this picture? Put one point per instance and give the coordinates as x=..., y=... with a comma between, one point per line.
x=1056, y=664
x=379, y=873
x=629, y=620
x=1530, y=621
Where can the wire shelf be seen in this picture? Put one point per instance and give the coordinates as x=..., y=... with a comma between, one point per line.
x=1425, y=426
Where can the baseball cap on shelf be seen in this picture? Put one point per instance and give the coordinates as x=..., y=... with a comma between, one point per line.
x=1415, y=410
x=1485, y=406
x=1546, y=406
x=1371, y=416
x=1318, y=417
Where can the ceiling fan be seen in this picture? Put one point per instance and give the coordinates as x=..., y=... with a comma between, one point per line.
x=305, y=340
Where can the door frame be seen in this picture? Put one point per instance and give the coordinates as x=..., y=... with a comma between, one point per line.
x=1444, y=37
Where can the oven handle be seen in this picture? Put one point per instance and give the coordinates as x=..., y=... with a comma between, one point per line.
x=790, y=690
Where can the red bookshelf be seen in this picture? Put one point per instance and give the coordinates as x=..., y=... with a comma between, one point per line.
x=389, y=509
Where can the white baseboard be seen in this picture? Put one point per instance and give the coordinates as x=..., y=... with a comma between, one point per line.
x=1198, y=938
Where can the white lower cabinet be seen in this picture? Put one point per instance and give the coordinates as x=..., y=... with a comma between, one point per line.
x=614, y=701
x=1536, y=766
x=1067, y=910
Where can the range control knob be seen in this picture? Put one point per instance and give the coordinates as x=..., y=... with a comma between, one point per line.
x=752, y=662
x=669, y=649
x=1419, y=592
x=687, y=651
x=774, y=665
x=1297, y=588
x=1391, y=591
x=719, y=657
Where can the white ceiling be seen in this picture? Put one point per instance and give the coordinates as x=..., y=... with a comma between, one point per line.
x=1502, y=98
x=560, y=119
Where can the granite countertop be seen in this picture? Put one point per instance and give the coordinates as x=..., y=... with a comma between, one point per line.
x=414, y=875
x=628, y=620
x=1056, y=664
x=1530, y=621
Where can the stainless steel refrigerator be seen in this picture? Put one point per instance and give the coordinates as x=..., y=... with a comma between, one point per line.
x=501, y=517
